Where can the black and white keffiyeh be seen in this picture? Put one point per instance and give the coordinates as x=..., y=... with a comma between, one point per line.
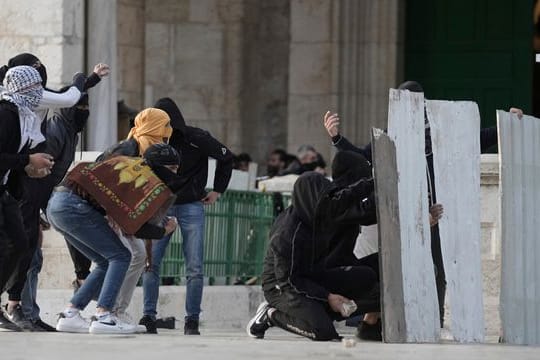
x=22, y=87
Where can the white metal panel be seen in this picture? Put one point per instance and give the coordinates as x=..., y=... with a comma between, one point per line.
x=520, y=205
x=388, y=222
x=419, y=296
x=456, y=160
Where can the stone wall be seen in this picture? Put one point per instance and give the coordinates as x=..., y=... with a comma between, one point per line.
x=265, y=77
x=53, y=30
x=312, y=76
x=257, y=74
x=130, y=57
x=193, y=52
x=370, y=62
x=343, y=60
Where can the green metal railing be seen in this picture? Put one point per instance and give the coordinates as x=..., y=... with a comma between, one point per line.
x=236, y=235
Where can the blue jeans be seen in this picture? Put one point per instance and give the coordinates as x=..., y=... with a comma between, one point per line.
x=89, y=232
x=191, y=221
x=28, y=296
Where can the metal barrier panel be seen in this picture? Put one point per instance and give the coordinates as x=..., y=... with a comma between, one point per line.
x=456, y=157
x=236, y=234
x=519, y=149
x=409, y=296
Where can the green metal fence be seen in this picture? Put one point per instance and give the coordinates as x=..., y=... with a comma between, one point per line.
x=236, y=234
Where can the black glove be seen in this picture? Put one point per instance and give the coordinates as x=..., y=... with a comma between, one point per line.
x=78, y=81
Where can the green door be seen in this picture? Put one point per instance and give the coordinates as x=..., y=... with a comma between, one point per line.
x=478, y=50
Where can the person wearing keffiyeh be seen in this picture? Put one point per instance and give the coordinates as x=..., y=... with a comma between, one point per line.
x=23, y=88
x=19, y=131
x=50, y=99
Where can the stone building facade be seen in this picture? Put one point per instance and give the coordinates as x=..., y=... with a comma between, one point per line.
x=256, y=74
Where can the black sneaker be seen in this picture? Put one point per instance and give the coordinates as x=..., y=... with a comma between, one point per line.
x=370, y=332
x=6, y=324
x=17, y=317
x=258, y=325
x=43, y=325
x=150, y=324
x=191, y=327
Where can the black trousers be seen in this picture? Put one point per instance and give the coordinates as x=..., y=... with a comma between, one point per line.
x=440, y=276
x=313, y=318
x=13, y=240
x=436, y=254
x=35, y=196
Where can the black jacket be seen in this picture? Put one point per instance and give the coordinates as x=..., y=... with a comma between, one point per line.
x=348, y=168
x=10, y=158
x=300, y=237
x=196, y=146
x=61, y=138
x=128, y=147
x=61, y=142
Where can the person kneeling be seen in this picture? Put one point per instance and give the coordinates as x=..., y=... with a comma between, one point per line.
x=304, y=295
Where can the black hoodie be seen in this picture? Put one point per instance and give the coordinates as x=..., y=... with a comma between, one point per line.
x=348, y=168
x=299, y=239
x=196, y=146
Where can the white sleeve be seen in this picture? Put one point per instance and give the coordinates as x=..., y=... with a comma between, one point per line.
x=67, y=99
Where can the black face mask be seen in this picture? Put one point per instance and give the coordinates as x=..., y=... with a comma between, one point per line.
x=272, y=170
x=79, y=119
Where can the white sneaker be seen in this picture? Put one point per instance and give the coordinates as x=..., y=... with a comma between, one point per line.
x=110, y=324
x=125, y=318
x=74, y=324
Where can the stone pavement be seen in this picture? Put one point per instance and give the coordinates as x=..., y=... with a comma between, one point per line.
x=225, y=345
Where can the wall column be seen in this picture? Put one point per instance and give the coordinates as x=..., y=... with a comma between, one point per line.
x=101, y=40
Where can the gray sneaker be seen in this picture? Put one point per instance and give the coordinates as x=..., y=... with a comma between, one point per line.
x=17, y=317
x=6, y=324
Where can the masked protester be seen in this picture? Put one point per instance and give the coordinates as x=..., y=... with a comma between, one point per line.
x=61, y=138
x=20, y=133
x=196, y=146
x=304, y=295
x=50, y=99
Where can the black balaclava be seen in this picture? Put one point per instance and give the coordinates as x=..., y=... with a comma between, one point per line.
x=177, y=119
x=157, y=157
x=161, y=155
x=80, y=117
x=349, y=167
x=307, y=192
x=30, y=60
